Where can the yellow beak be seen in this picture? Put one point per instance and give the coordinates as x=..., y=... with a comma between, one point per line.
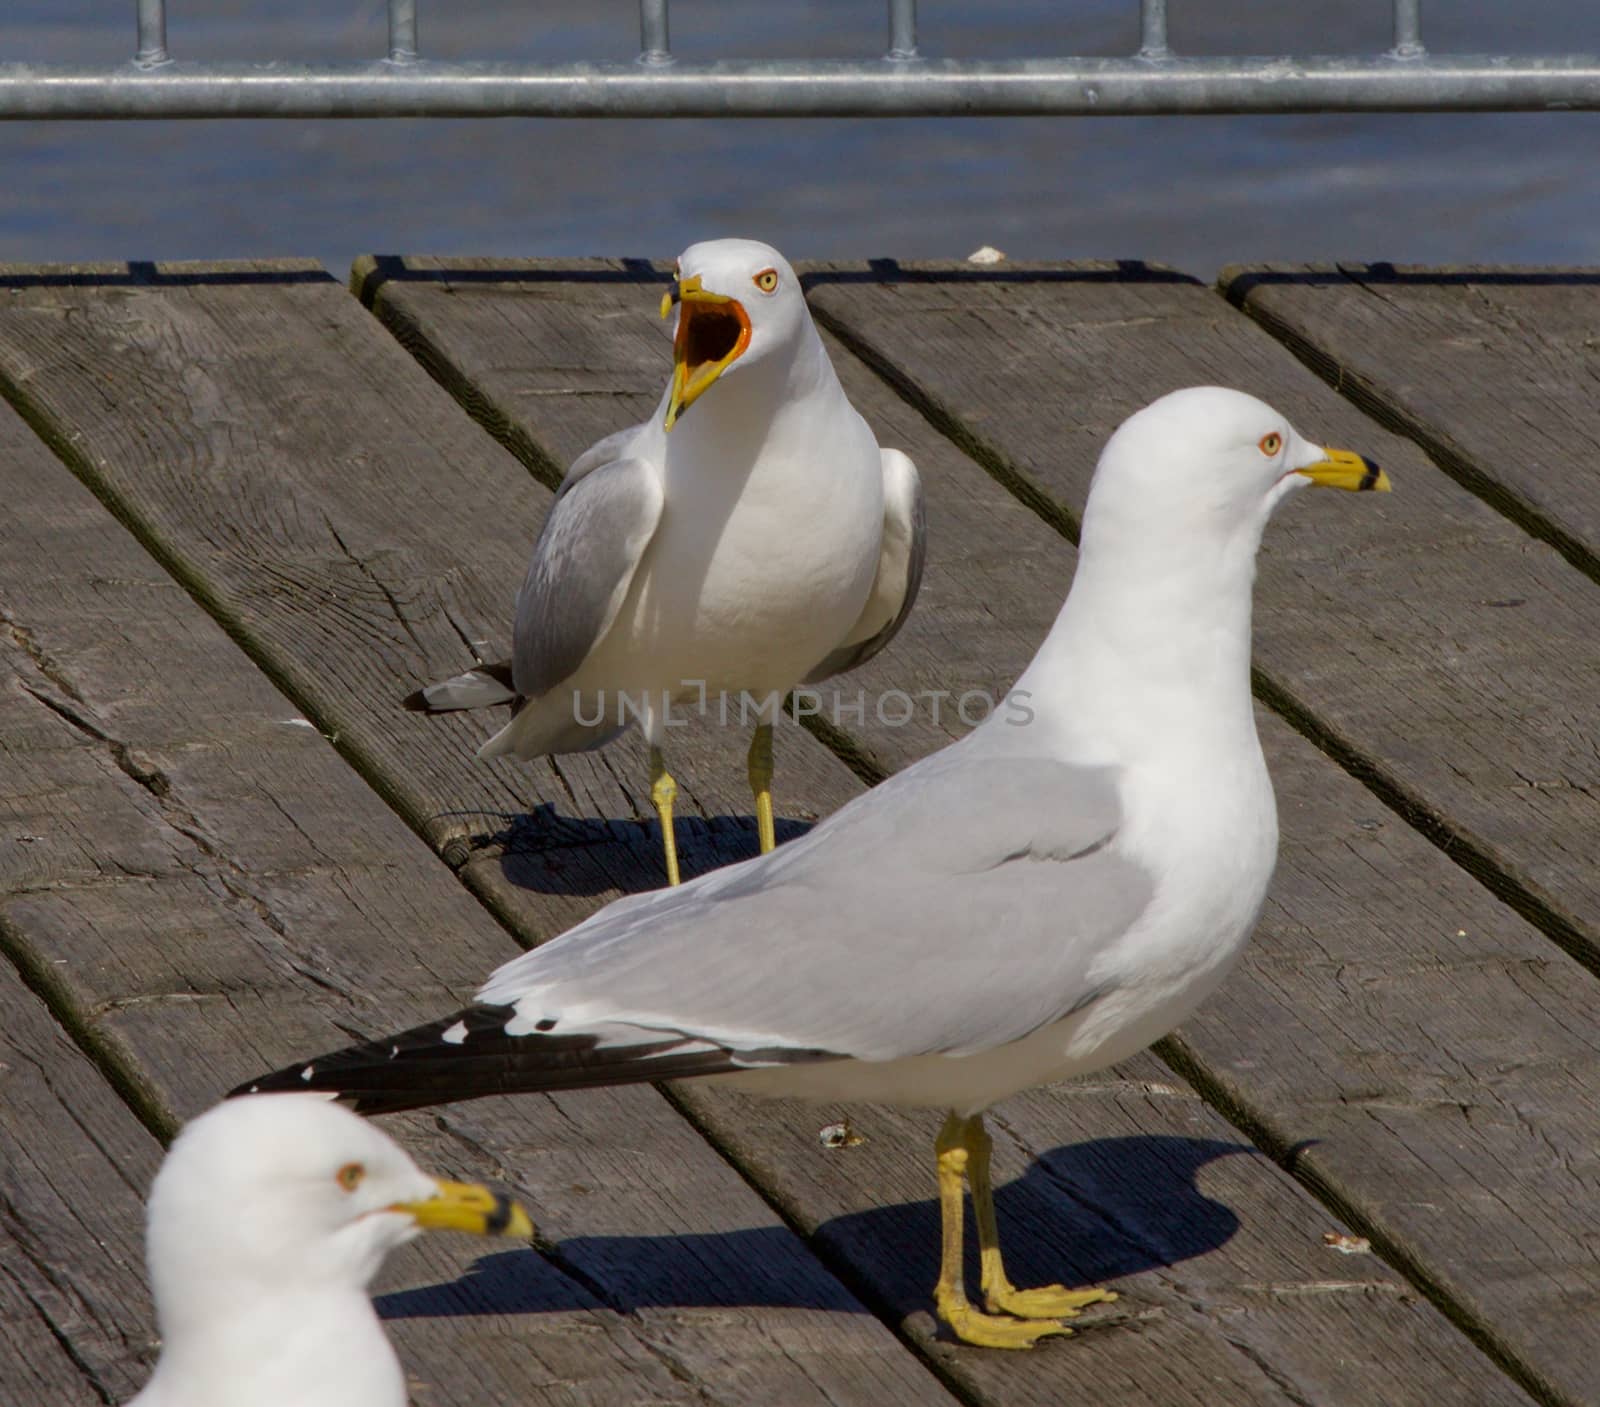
x=469, y=1207
x=1344, y=469
x=713, y=332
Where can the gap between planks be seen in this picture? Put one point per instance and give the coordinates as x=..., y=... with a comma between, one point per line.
x=1237, y=282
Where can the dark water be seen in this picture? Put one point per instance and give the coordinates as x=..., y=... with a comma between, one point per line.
x=1195, y=192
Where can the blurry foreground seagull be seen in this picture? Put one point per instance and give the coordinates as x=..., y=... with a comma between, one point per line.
x=1036, y=901
x=267, y=1220
x=760, y=541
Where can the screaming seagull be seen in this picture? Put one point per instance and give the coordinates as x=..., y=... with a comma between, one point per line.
x=750, y=536
x=1038, y=900
x=267, y=1220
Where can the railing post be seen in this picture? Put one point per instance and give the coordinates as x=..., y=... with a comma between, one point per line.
x=1407, y=29
x=655, y=41
x=1153, y=30
x=902, y=31
x=403, y=32
x=152, y=49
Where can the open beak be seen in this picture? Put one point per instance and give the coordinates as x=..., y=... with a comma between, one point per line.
x=713, y=331
x=1344, y=469
x=469, y=1207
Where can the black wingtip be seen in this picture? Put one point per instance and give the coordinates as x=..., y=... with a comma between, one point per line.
x=371, y=1076
x=289, y=1081
x=469, y=1054
x=416, y=701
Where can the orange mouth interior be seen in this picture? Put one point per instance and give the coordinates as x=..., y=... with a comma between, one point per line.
x=712, y=333
x=709, y=334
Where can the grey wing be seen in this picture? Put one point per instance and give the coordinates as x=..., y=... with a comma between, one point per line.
x=957, y=907
x=582, y=565
x=899, y=578
x=606, y=450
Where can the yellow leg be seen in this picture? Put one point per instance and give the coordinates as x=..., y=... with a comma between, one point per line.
x=968, y=1324
x=999, y=1294
x=761, y=785
x=663, y=792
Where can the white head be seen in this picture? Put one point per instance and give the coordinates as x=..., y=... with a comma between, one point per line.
x=739, y=306
x=280, y=1194
x=1159, y=610
x=1207, y=466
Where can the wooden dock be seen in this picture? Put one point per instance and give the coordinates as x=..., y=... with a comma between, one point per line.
x=244, y=509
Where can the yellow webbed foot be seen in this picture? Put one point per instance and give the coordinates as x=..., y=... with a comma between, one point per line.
x=1045, y=1302
x=973, y=1326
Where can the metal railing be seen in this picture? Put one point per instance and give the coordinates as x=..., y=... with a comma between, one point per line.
x=899, y=83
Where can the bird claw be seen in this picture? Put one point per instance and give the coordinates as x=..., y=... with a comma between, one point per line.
x=973, y=1326
x=1045, y=1302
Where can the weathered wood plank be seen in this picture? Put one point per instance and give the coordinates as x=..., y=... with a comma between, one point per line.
x=211, y=892
x=1422, y=1055
x=1491, y=370
x=503, y=338
x=76, y=1325
x=1428, y=642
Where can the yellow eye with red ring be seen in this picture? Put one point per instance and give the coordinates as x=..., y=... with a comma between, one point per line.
x=1271, y=444
x=767, y=280
x=349, y=1176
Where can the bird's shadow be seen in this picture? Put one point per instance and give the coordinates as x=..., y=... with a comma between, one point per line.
x=1083, y=1214
x=548, y=852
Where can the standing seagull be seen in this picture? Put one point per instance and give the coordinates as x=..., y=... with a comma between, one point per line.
x=760, y=542
x=267, y=1220
x=1038, y=900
